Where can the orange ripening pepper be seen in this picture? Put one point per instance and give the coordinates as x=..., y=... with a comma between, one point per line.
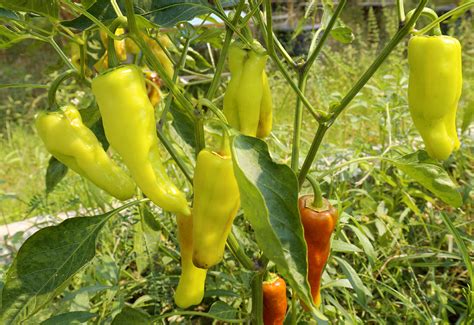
x=318, y=225
x=274, y=301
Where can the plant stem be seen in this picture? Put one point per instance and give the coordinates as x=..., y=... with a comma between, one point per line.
x=52, y=105
x=401, y=11
x=322, y=128
x=450, y=13
x=257, y=298
x=317, y=194
x=169, y=147
x=295, y=150
x=271, y=51
x=61, y=53
x=179, y=67
x=239, y=253
x=327, y=31
x=153, y=61
x=402, y=32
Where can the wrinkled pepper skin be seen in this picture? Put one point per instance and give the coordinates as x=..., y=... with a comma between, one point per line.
x=274, y=302
x=190, y=290
x=76, y=146
x=216, y=201
x=434, y=90
x=318, y=225
x=129, y=124
x=247, y=100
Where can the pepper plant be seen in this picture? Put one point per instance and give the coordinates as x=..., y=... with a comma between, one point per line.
x=225, y=169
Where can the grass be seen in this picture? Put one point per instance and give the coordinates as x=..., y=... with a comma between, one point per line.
x=396, y=259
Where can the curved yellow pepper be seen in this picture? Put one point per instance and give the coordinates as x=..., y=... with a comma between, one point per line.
x=190, y=290
x=130, y=127
x=434, y=90
x=247, y=101
x=216, y=201
x=76, y=146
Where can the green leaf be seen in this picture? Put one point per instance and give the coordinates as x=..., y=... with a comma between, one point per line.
x=46, y=262
x=168, y=13
x=9, y=38
x=74, y=317
x=433, y=177
x=8, y=14
x=361, y=291
x=222, y=310
x=131, y=316
x=269, y=198
x=45, y=7
x=146, y=239
x=183, y=124
x=101, y=9
x=366, y=244
x=340, y=32
x=461, y=247
x=54, y=174
x=344, y=247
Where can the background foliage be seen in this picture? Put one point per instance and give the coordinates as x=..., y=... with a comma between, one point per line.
x=394, y=259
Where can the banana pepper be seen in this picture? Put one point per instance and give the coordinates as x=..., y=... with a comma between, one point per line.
x=130, y=127
x=434, y=90
x=248, y=101
x=76, y=146
x=190, y=290
x=216, y=201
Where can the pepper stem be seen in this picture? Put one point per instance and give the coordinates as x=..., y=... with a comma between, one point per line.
x=430, y=13
x=317, y=194
x=113, y=61
x=225, y=144
x=55, y=85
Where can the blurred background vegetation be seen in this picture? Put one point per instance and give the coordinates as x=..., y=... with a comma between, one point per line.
x=390, y=229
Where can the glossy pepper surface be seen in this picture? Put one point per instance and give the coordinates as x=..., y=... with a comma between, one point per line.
x=216, y=201
x=247, y=101
x=274, y=301
x=76, y=146
x=434, y=90
x=318, y=225
x=191, y=284
x=129, y=124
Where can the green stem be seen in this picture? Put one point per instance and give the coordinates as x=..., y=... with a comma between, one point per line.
x=220, y=63
x=61, y=53
x=200, y=314
x=401, y=11
x=450, y=13
x=179, y=67
x=313, y=150
x=402, y=32
x=430, y=13
x=327, y=31
x=294, y=309
x=169, y=147
x=239, y=253
x=317, y=194
x=295, y=150
x=152, y=60
x=116, y=7
x=199, y=130
x=112, y=59
x=271, y=51
x=55, y=85
x=350, y=162
x=257, y=298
